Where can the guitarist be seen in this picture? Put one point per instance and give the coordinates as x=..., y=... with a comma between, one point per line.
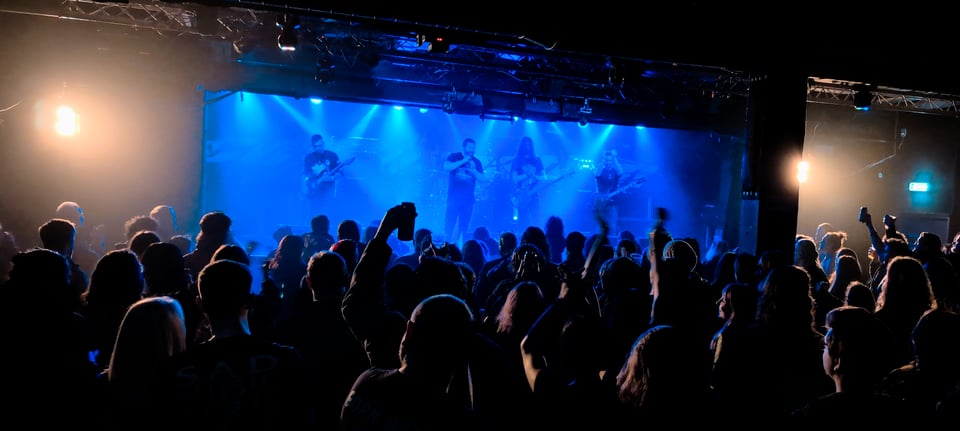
x=527, y=172
x=608, y=173
x=320, y=171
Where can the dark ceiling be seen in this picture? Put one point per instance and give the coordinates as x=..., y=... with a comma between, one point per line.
x=681, y=64
x=902, y=46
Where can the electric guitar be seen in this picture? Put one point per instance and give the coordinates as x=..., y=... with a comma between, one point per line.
x=521, y=195
x=604, y=199
x=313, y=182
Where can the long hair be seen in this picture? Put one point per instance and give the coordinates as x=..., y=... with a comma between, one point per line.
x=524, y=304
x=152, y=330
x=438, y=335
x=473, y=255
x=526, y=150
x=658, y=369
x=906, y=287
x=117, y=280
x=785, y=299
x=847, y=270
x=537, y=237
x=289, y=250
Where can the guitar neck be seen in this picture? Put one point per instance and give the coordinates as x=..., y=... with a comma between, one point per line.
x=335, y=170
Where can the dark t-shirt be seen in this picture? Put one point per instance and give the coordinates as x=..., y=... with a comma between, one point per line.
x=530, y=166
x=313, y=243
x=858, y=410
x=526, y=191
x=236, y=383
x=317, y=164
x=385, y=399
x=607, y=180
x=462, y=184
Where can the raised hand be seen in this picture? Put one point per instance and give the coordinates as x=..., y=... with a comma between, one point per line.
x=390, y=222
x=661, y=217
x=889, y=221
x=864, y=216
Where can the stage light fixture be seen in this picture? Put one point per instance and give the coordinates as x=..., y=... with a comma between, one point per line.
x=439, y=45
x=803, y=171
x=67, y=122
x=862, y=98
x=448, y=101
x=585, y=110
x=288, y=25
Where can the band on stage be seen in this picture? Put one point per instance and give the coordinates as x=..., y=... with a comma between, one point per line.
x=502, y=192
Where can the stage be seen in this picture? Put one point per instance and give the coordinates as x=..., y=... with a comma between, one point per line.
x=255, y=144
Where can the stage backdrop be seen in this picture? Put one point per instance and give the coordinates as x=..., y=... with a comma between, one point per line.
x=254, y=146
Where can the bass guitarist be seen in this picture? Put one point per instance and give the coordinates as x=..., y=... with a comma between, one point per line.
x=527, y=172
x=608, y=173
x=321, y=168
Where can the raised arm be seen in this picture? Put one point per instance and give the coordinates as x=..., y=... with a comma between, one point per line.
x=875, y=239
x=363, y=307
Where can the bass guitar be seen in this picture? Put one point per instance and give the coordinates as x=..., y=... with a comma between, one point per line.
x=319, y=175
x=522, y=195
x=604, y=199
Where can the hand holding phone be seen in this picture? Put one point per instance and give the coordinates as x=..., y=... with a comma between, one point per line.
x=406, y=225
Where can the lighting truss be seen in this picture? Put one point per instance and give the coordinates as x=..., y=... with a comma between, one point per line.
x=478, y=61
x=835, y=92
x=155, y=16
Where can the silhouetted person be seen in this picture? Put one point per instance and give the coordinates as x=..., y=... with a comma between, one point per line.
x=485, y=382
x=166, y=274
x=214, y=232
x=658, y=382
x=152, y=330
x=905, y=295
x=47, y=345
x=319, y=237
x=116, y=283
x=88, y=247
x=859, y=295
x=930, y=383
x=234, y=380
x=134, y=225
x=333, y=356
x=858, y=353
x=166, y=218
x=60, y=235
x=141, y=240
x=417, y=394
x=556, y=238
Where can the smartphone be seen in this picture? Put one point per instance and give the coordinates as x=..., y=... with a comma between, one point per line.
x=405, y=230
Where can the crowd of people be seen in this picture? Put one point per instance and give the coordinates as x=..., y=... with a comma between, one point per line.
x=535, y=329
